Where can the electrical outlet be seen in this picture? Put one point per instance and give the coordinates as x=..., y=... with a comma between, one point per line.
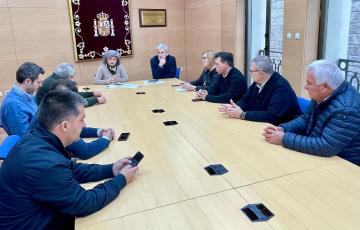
x=297, y=36
x=289, y=35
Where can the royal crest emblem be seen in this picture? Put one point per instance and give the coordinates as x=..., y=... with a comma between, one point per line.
x=103, y=26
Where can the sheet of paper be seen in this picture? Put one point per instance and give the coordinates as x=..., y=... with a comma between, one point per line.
x=179, y=89
x=153, y=82
x=122, y=86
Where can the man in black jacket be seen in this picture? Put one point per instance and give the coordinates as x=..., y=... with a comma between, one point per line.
x=40, y=184
x=231, y=84
x=163, y=65
x=269, y=99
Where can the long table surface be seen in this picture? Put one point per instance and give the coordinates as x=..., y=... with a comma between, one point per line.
x=173, y=191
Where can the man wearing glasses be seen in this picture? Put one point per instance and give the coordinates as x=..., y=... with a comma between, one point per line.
x=269, y=99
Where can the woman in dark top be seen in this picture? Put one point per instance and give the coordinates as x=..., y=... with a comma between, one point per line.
x=208, y=78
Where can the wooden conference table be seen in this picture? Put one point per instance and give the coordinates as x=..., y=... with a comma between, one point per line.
x=173, y=191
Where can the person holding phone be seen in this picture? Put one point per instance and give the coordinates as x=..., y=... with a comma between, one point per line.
x=39, y=183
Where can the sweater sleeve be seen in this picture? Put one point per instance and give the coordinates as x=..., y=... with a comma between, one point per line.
x=198, y=82
x=84, y=150
x=236, y=88
x=339, y=131
x=18, y=120
x=155, y=69
x=86, y=94
x=123, y=75
x=99, y=77
x=90, y=101
x=172, y=67
x=87, y=132
x=278, y=106
x=60, y=188
x=242, y=103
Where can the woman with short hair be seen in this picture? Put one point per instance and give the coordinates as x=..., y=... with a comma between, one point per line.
x=111, y=70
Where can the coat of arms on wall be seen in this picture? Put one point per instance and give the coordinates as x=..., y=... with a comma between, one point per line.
x=102, y=26
x=98, y=26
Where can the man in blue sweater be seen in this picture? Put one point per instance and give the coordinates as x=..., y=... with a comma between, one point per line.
x=163, y=65
x=19, y=107
x=331, y=124
x=40, y=184
x=269, y=99
x=231, y=84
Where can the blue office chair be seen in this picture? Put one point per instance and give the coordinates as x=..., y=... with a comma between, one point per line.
x=178, y=72
x=8, y=144
x=303, y=103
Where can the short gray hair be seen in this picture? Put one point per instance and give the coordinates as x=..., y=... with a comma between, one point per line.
x=326, y=72
x=162, y=46
x=65, y=70
x=109, y=54
x=263, y=63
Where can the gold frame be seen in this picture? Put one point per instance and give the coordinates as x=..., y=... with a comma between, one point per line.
x=142, y=18
x=74, y=40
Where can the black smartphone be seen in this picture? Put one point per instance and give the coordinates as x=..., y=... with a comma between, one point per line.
x=123, y=136
x=136, y=159
x=140, y=92
x=86, y=88
x=167, y=123
x=158, y=111
x=196, y=99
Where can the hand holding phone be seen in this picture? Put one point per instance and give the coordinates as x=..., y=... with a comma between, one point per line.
x=136, y=159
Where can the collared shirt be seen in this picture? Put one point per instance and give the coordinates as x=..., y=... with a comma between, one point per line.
x=262, y=85
x=18, y=90
x=17, y=111
x=227, y=73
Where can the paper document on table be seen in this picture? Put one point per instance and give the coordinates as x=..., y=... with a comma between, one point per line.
x=153, y=82
x=122, y=86
x=179, y=89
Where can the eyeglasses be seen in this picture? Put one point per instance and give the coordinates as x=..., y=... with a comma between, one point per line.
x=253, y=71
x=203, y=58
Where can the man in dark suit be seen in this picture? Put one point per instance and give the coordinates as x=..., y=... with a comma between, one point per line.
x=269, y=99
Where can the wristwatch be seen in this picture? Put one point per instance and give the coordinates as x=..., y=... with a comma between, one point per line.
x=242, y=115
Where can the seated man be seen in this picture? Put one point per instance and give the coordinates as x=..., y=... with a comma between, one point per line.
x=269, y=99
x=66, y=71
x=163, y=65
x=80, y=148
x=19, y=107
x=231, y=84
x=331, y=124
x=40, y=184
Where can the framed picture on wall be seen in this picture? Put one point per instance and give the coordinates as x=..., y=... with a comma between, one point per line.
x=152, y=17
x=98, y=26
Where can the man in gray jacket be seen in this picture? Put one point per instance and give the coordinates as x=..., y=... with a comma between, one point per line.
x=331, y=124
